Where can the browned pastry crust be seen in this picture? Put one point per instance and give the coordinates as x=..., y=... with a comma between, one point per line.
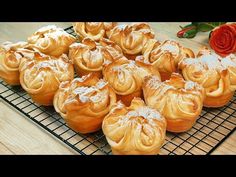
x=164, y=56
x=93, y=30
x=216, y=74
x=10, y=58
x=89, y=55
x=179, y=101
x=134, y=130
x=131, y=38
x=42, y=75
x=126, y=78
x=51, y=40
x=84, y=102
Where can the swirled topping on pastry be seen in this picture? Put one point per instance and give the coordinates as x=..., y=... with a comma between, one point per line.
x=131, y=38
x=216, y=74
x=164, y=56
x=51, y=40
x=137, y=129
x=126, y=76
x=10, y=58
x=84, y=102
x=42, y=76
x=177, y=99
x=93, y=30
x=89, y=56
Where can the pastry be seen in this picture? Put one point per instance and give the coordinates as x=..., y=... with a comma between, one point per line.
x=84, y=102
x=51, y=40
x=42, y=76
x=134, y=130
x=93, y=30
x=10, y=58
x=179, y=101
x=164, y=56
x=89, y=56
x=131, y=38
x=216, y=74
x=126, y=78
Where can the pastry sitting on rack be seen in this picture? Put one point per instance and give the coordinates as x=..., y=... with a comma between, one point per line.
x=179, y=101
x=131, y=38
x=216, y=74
x=84, y=102
x=10, y=58
x=89, y=55
x=164, y=56
x=51, y=40
x=126, y=77
x=93, y=30
x=134, y=130
x=42, y=75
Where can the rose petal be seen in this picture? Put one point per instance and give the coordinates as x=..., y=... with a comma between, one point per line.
x=223, y=39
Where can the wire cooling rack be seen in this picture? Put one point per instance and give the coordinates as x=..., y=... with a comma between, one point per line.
x=210, y=130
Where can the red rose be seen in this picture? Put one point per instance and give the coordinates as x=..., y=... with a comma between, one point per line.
x=223, y=39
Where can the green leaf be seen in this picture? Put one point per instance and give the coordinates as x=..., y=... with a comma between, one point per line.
x=208, y=26
x=204, y=27
x=200, y=26
x=191, y=33
x=215, y=24
x=187, y=26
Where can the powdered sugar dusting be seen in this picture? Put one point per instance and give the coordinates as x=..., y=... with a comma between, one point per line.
x=131, y=64
x=165, y=86
x=101, y=83
x=229, y=61
x=107, y=62
x=98, y=97
x=91, y=93
x=81, y=79
x=170, y=47
x=212, y=61
x=145, y=112
x=83, y=93
x=189, y=85
x=153, y=82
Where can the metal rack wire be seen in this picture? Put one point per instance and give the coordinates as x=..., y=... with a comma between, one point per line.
x=210, y=130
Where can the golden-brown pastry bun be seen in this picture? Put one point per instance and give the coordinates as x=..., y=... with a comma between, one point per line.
x=51, y=40
x=84, y=102
x=131, y=38
x=179, y=101
x=164, y=56
x=42, y=76
x=216, y=74
x=134, y=130
x=89, y=56
x=126, y=78
x=93, y=30
x=10, y=58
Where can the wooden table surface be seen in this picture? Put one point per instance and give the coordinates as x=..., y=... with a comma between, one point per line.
x=19, y=135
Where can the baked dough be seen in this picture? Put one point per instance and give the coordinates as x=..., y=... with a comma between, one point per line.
x=51, y=40
x=84, y=102
x=10, y=58
x=164, y=56
x=134, y=130
x=216, y=74
x=126, y=78
x=42, y=76
x=131, y=38
x=179, y=101
x=93, y=30
x=89, y=55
